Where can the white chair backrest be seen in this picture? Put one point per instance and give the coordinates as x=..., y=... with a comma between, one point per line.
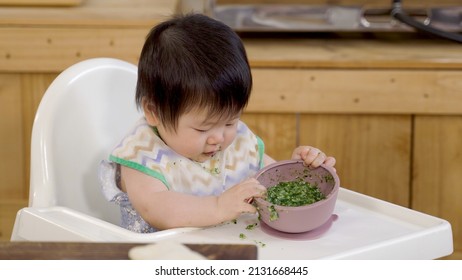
x=83, y=114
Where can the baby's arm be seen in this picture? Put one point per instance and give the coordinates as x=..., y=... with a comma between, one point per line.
x=164, y=209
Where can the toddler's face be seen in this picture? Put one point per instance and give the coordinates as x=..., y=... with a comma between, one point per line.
x=199, y=137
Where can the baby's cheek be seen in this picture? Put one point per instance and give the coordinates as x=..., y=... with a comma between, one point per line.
x=229, y=138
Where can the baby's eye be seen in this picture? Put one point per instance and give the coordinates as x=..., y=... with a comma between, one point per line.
x=200, y=130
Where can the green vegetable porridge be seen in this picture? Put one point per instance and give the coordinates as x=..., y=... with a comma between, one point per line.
x=294, y=193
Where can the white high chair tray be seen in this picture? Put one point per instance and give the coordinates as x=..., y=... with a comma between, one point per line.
x=364, y=228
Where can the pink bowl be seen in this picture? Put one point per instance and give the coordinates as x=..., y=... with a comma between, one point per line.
x=301, y=218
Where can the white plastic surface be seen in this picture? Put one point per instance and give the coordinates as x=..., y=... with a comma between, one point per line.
x=84, y=112
x=365, y=228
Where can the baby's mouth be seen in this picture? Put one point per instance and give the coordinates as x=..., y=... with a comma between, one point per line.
x=212, y=153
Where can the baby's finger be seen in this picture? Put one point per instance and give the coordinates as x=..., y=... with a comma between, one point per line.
x=248, y=208
x=320, y=158
x=311, y=155
x=253, y=189
x=330, y=161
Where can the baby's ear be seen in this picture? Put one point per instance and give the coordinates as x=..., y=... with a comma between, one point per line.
x=150, y=114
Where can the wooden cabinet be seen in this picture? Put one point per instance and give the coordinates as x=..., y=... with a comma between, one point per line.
x=389, y=108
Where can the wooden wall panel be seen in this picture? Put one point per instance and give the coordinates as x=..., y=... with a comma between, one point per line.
x=356, y=91
x=40, y=2
x=342, y=53
x=372, y=151
x=12, y=138
x=20, y=95
x=437, y=174
x=33, y=87
x=8, y=210
x=55, y=49
x=278, y=131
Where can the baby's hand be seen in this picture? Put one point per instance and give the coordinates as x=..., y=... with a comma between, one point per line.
x=235, y=201
x=312, y=156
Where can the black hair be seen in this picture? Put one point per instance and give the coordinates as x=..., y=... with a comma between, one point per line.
x=193, y=61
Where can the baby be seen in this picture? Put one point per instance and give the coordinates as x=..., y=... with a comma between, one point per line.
x=189, y=161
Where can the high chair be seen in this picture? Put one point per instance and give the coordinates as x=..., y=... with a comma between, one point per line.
x=84, y=112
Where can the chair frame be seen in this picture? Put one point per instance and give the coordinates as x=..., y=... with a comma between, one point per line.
x=56, y=216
